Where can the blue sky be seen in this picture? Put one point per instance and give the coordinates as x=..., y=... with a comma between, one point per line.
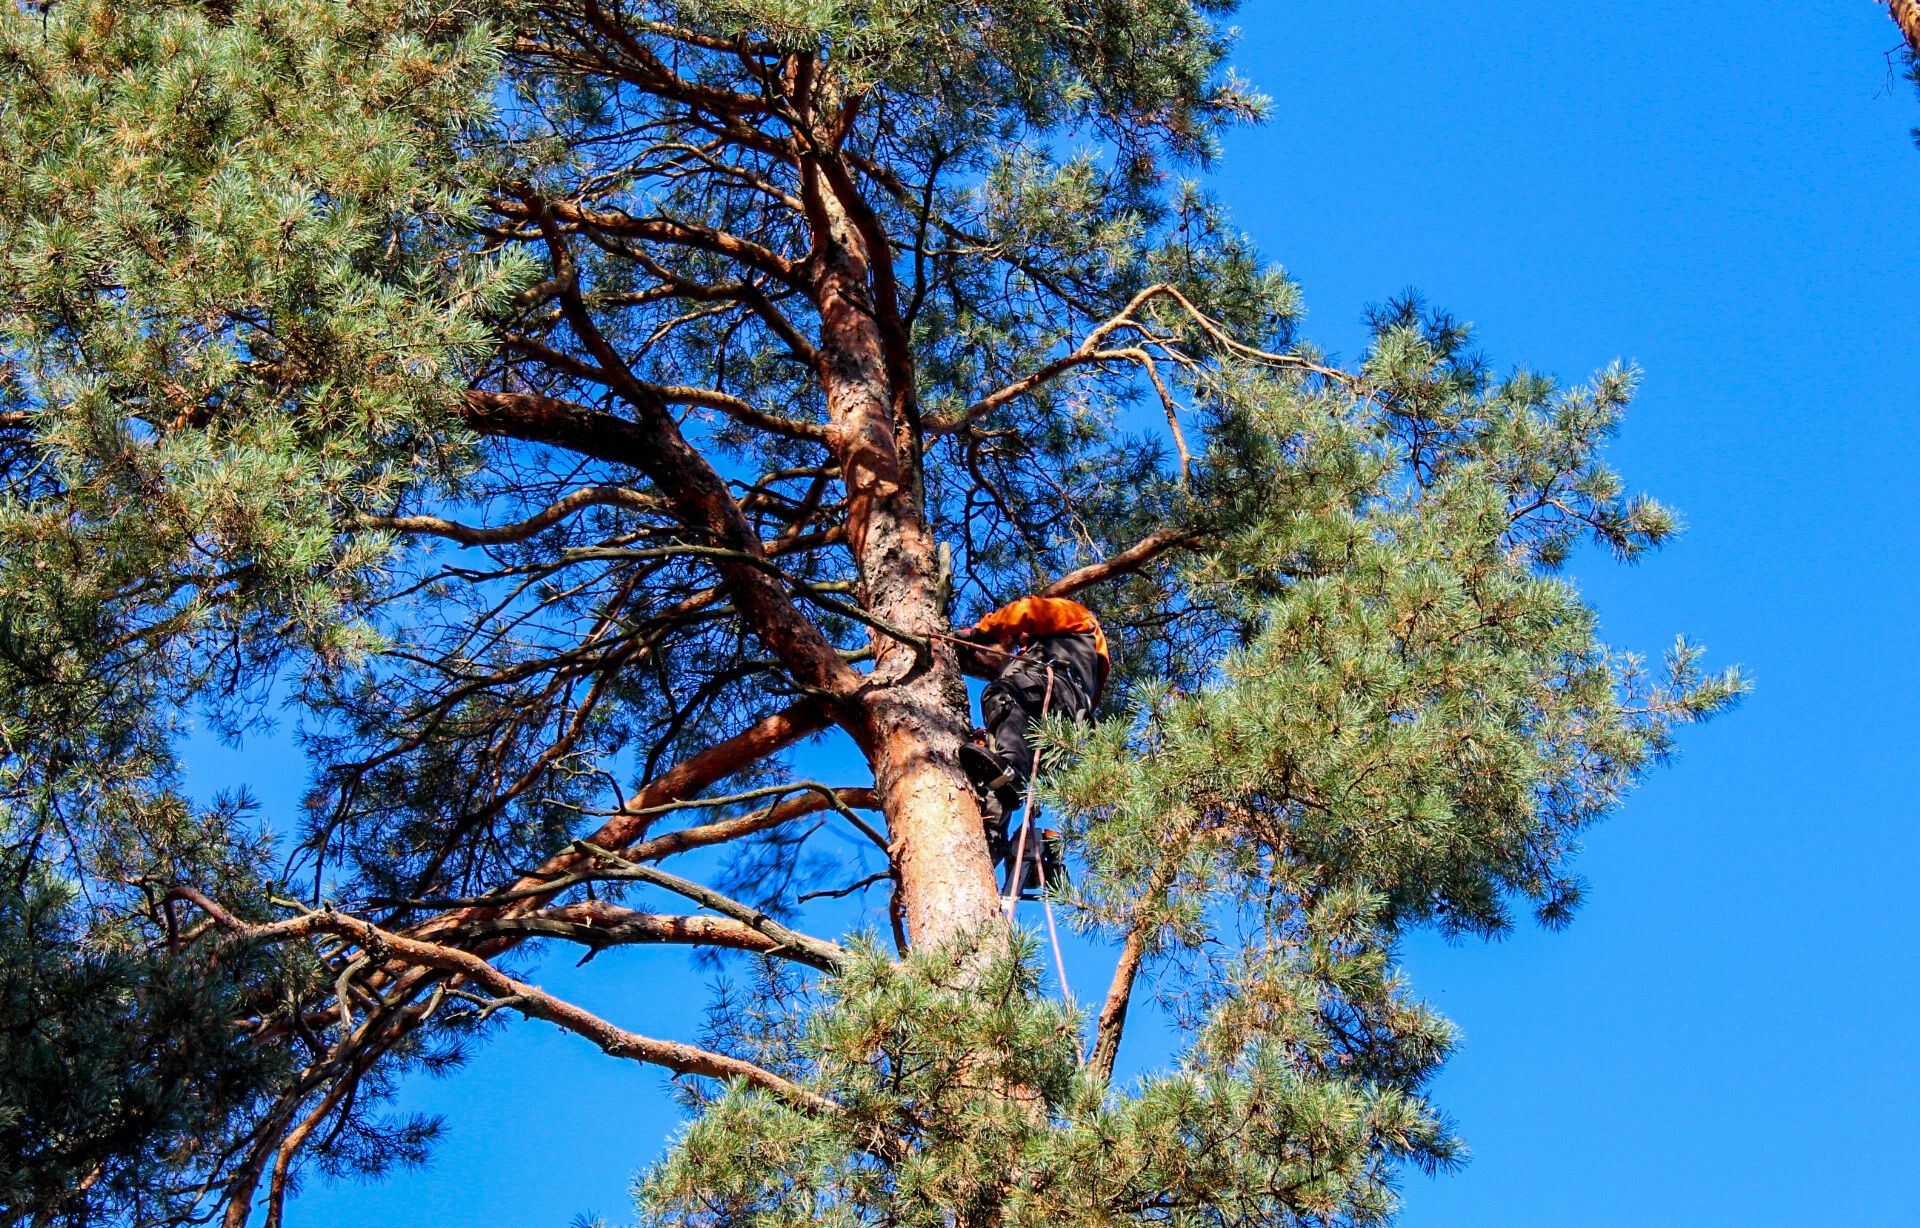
x=1725, y=195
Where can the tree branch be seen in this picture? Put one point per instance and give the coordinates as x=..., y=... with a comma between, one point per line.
x=597, y=924
x=700, y=496
x=721, y=831
x=697, y=495
x=487, y=535
x=819, y=953
x=662, y=230
x=1132, y=559
x=533, y=1002
x=740, y=411
x=1089, y=351
x=1113, y=1012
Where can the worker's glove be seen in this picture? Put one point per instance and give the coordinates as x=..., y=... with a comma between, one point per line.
x=974, y=635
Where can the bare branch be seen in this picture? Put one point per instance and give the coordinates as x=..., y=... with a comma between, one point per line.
x=481, y=535
x=533, y=1002
x=1132, y=559
x=767, y=736
x=707, y=834
x=1171, y=407
x=740, y=411
x=821, y=953
x=1147, y=913
x=842, y=892
x=697, y=495
x=664, y=230
x=597, y=924
x=1089, y=352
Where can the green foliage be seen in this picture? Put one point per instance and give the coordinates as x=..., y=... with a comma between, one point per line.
x=226, y=313
x=237, y=224
x=1132, y=69
x=1240, y=1132
x=121, y=1071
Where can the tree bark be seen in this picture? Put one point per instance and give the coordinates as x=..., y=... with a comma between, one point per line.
x=1906, y=15
x=912, y=720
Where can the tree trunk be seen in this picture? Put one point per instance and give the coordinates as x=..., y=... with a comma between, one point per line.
x=912, y=721
x=939, y=844
x=911, y=725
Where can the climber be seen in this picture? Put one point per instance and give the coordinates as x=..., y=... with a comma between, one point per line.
x=1055, y=661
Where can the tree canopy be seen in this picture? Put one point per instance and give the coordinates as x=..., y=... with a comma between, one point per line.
x=560, y=417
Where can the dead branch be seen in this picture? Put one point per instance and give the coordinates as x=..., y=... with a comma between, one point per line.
x=597, y=924
x=821, y=952
x=535, y=1003
x=1132, y=559
x=485, y=535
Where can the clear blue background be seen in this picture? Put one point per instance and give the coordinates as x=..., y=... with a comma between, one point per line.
x=1726, y=195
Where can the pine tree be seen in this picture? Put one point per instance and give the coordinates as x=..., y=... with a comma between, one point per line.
x=566, y=414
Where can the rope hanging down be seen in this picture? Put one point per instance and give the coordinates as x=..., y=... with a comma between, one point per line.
x=1017, y=868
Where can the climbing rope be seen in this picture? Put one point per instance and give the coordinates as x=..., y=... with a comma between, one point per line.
x=1017, y=868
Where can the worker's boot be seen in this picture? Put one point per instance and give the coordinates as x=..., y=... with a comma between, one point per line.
x=997, y=812
x=1046, y=868
x=993, y=817
x=1053, y=859
x=987, y=771
x=998, y=850
x=994, y=781
x=997, y=791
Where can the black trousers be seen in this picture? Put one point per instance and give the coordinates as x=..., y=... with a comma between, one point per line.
x=1012, y=702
